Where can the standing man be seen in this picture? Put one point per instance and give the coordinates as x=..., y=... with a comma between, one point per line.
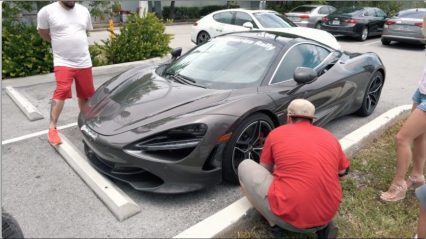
x=65, y=24
x=296, y=186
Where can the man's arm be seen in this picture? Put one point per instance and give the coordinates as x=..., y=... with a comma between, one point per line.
x=268, y=167
x=44, y=33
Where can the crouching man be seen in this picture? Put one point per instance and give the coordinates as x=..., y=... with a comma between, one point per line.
x=296, y=186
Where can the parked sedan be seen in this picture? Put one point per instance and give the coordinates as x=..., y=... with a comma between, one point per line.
x=359, y=22
x=186, y=124
x=406, y=26
x=233, y=20
x=309, y=15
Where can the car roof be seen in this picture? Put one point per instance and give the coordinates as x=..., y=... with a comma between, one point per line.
x=245, y=10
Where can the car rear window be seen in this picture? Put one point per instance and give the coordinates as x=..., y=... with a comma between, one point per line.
x=303, y=9
x=349, y=11
x=412, y=14
x=272, y=20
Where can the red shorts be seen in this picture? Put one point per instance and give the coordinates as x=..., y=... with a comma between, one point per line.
x=64, y=78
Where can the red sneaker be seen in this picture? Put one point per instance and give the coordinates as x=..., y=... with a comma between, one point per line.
x=53, y=137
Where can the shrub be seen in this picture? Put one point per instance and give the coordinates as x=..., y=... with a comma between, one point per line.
x=24, y=53
x=139, y=39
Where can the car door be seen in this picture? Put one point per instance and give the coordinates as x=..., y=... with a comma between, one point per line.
x=322, y=93
x=241, y=18
x=374, y=22
x=381, y=18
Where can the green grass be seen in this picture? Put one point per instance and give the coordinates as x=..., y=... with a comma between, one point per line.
x=362, y=214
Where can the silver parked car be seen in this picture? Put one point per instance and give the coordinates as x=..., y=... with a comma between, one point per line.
x=309, y=15
x=406, y=26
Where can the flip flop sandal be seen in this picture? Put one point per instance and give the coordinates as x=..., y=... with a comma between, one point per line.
x=414, y=182
x=394, y=193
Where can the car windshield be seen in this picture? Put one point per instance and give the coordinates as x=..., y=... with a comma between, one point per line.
x=349, y=11
x=303, y=9
x=412, y=14
x=272, y=20
x=226, y=63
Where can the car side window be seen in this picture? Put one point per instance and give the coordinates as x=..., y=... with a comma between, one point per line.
x=305, y=54
x=224, y=17
x=380, y=13
x=323, y=10
x=370, y=12
x=242, y=17
x=331, y=9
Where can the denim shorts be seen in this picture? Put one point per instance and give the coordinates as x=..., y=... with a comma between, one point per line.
x=420, y=99
x=421, y=195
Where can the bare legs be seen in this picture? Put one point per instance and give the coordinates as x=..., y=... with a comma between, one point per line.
x=56, y=109
x=413, y=132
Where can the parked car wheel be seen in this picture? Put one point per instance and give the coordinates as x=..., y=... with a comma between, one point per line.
x=364, y=34
x=202, y=37
x=318, y=25
x=386, y=41
x=246, y=143
x=372, y=95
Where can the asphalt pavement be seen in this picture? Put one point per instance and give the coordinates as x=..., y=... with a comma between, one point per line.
x=49, y=200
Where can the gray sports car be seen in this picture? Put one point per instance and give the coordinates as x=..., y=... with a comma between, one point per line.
x=186, y=124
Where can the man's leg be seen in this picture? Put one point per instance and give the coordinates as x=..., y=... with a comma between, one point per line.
x=55, y=110
x=84, y=86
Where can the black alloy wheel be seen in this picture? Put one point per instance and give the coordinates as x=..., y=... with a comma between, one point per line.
x=246, y=143
x=371, y=98
x=202, y=37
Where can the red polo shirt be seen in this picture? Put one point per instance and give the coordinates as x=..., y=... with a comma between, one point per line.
x=305, y=191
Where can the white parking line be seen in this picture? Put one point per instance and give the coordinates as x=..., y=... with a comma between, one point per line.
x=8, y=141
x=370, y=43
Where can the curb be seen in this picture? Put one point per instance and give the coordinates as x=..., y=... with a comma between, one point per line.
x=97, y=71
x=235, y=215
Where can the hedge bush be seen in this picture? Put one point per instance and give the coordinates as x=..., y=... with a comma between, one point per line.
x=139, y=39
x=24, y=53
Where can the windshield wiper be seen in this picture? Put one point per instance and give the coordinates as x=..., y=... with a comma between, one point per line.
x=185, y=80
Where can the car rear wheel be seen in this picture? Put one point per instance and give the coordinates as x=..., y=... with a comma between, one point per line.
x=385, y=41
x=246, y=143
x=318, y=25
x=202, y=37
x=371, y=97
x=364, y=34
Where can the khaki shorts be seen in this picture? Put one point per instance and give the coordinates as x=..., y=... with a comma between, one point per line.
x=255, y=181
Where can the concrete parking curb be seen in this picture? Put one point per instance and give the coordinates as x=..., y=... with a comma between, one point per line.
x=232, y=217
x=29, y=109
x=97, y=71
x=121, y=205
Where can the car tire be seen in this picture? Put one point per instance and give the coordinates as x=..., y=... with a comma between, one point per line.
x=246, y=142
x=318, y=25
x=202, y=37
x=372, y=95
x=364, y=34
x=386, y=41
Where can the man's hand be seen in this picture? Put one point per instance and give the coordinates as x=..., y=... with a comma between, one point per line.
x=343, y=173
x=268, y=167
x=45, y=34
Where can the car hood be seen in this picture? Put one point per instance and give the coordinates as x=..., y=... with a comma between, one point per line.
x=145, y=98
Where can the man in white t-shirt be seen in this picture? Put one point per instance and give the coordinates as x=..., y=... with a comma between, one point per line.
x=65, y=24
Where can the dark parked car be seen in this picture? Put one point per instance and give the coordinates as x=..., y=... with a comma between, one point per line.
x=406, y=26
x=186, y=124
x=359, y=22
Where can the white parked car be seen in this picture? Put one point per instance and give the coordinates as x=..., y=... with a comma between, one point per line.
x=233, y=20
x=214, y=24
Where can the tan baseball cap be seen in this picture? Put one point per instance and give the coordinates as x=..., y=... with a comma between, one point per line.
x=301, y=108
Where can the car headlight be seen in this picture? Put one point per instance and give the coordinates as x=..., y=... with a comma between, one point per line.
x=185, y=137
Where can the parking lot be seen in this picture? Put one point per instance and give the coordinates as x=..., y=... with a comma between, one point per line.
x=50, y=200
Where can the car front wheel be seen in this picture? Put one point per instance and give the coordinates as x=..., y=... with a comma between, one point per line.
x=385, y=41
x=371, y=97
x=246, y=143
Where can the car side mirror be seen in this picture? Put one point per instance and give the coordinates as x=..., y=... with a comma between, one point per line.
x=305, y=75
x=248, y=25
x=176, y=53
